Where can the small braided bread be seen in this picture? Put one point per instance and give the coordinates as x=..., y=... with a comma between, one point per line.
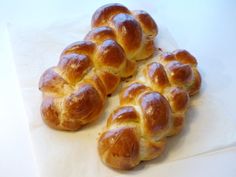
x=152, y=107
x=74, y=91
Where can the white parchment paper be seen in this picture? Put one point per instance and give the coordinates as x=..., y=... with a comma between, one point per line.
x=210, y=120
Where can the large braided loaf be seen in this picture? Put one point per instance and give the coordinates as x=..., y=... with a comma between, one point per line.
x=74, y=91
x=152, y=107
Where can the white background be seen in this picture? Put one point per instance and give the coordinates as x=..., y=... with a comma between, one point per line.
x=205, y=28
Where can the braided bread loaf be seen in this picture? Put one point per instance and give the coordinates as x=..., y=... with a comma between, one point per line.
x=74, y=91
x=152, y=107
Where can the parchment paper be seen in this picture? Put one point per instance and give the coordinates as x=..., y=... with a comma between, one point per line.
x=210, y=122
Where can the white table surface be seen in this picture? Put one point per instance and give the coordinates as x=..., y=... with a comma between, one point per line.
x=206, y=28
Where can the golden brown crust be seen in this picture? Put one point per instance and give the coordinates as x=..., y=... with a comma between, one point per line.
x=196, y=83
x=178, y=99
x=185, y=57
x=147, y=23
x=119, y=148
x=80, y=47
x=123, y=114
x=134, y=31
x=104, y=14
x=151, y=108
x=84, y=104
x=132, y=136
x=50, y=112
x=182, y=56
x=130, y=93
x=100, y=34
x=93, y=79
x=167, y=57
x=89, y=70
x=52, y=82
x=156, y=74
x=156, y=113
x=74, y=66
x=174, y=77
x=179, y=73
x=181, y=69
x=110, y=54
x=109, y=80
x=130, y=31
x=184, y=81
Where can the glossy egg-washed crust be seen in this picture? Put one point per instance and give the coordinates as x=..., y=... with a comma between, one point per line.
x=151, y=108
x=74, y=91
